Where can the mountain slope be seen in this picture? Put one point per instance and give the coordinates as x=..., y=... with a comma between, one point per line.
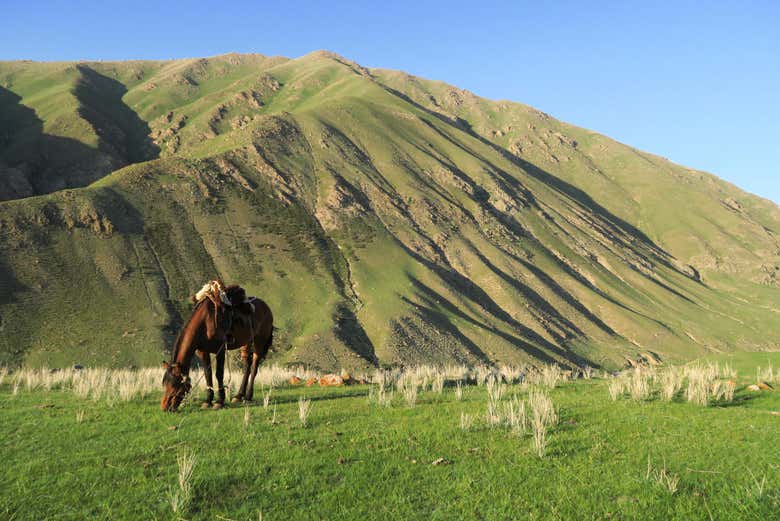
x=385, y=218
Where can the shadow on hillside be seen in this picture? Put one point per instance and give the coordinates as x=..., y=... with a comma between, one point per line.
x=524, y=337
x=11, y=353
x=122, y=133
x=613, y=226
x=41, y=163
x=349, y=330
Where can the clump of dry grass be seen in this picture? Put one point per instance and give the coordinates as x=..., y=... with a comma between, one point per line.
x=547, y=376
x=466, y=421
x=670, y=382
x=587, y=372
x=495, y=390
x=699, y=384
x=616, y=388
x=515, y=416
x=639, y=384
x=304, y=409
x=539, y=438
x=179, y=497
x=437, y=385
x=459, y=391
x=662, y=477
x=384, y=396
x=541, y=405
x=247, y=416
x=543, y=415
x=511, y=373
x=409, y=390
x=768, y=375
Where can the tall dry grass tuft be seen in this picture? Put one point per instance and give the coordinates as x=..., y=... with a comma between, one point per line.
x=466, y=421
x=542, y=406
x=512, y=374
x=409, y=390
x=304, y=409
x=179, y=497
x=247, y=416
x=662, y=477
x=699, y=384
x=670, y=381
x=543, y=416
x=539, y=437
x=639, y=383
x=437, y=385
x=515, y=416
x=616, y=387
x=768, y=375
x=459, y=391
x=495, y=390
x=384, y=396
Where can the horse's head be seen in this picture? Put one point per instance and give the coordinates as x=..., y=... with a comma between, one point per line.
x=176, y=385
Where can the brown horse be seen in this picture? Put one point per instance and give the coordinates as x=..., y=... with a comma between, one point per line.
x=222, y=319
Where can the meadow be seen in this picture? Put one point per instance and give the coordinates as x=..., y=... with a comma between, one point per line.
x=686, y=442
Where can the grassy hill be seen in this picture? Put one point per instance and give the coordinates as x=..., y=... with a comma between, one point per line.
x=384, y=217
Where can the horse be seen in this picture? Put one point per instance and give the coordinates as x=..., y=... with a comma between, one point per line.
x=223, y=319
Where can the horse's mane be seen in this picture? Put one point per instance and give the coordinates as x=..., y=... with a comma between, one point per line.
x=177, y=342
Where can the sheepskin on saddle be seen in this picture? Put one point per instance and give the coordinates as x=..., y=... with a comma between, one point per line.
x=214, y=291
x=231, y=296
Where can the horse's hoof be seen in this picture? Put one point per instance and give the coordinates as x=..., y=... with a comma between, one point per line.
x=236, y=399
x=218, y=406
x=205, y=405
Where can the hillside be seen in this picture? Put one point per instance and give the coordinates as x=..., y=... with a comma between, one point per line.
x=385, y=218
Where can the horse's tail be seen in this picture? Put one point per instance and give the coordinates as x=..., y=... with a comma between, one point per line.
x=267, y=346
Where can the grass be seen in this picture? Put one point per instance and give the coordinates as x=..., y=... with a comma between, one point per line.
x=622, y=459
x=179, y=496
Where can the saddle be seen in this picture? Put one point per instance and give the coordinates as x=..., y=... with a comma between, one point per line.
x=234, y=298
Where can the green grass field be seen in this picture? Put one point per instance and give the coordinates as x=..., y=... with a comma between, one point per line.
x=66, y=457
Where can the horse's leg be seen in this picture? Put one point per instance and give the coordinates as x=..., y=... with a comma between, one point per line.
x=257, y=356
x=206, y=358
x=251, y=389
x=245, y=377
x=220, y=379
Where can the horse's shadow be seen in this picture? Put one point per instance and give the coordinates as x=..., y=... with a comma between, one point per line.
x=352, y=392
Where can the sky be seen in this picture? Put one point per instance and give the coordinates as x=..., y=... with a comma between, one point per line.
x=695, y=82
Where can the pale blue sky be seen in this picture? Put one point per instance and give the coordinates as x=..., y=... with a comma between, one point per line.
x=697, y=82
